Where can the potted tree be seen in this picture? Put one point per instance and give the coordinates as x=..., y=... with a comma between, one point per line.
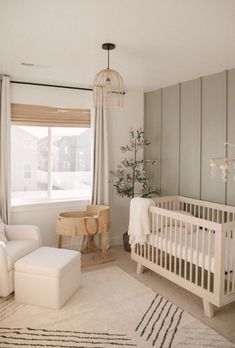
x=130, y=178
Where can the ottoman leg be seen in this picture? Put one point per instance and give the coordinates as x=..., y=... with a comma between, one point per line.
x=59, y=241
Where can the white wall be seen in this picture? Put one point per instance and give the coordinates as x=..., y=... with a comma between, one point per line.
x=58, y=97
x=119, y=123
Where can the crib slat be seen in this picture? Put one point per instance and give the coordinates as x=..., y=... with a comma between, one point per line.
x=209, y=260
x=180, y=231
x=148, y=252
x=233, y=261
x=203, y=257
x=233, y=273
x=166, y=235
x=185, y=250
x=157, y=245
x=213, y=215
x=218, y=215
x=226, y=265
x=191, y=253
x=162, y=233
x=153, y=236
x=228, y=261
x=197, y=237
x=170, y=245
x=176, y=236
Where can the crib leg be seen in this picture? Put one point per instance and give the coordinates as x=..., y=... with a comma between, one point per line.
x=208, y=308
x=140, y=268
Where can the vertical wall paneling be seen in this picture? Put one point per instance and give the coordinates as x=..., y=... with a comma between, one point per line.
x=153, y=133
x=179, y=168
x=198, y=117
x=200, y=188
x=170, y=140
x=231, y=135
x=213, y=134
x=190, y=141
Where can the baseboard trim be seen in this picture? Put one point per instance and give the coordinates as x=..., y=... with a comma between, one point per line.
x=115, y=240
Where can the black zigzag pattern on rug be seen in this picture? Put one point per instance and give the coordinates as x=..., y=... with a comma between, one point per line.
x=8, y=306
x=30, y=337
x=160, y=322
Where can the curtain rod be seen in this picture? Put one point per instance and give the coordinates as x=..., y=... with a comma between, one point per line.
x=55, y=86
x=49, y=85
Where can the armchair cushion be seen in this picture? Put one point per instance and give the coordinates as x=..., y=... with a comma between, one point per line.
x=3, y=237
x=23, y=232
x=16, y=249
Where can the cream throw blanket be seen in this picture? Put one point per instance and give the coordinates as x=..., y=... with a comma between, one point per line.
x=139, y=225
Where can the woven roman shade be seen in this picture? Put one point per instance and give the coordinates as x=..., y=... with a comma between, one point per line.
x=40, y=115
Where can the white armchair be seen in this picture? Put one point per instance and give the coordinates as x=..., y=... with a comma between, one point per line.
x=22, y=240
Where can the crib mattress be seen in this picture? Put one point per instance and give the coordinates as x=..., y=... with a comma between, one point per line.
x=187, y=249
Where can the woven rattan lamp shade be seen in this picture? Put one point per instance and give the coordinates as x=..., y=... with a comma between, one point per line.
x=108, y=86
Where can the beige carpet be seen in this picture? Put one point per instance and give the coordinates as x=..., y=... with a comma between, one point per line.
x=111, y=309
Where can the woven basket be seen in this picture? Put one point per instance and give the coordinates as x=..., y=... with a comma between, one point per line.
x=90, y=222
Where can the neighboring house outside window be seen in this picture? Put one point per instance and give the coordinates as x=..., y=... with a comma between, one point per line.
x=27, y=171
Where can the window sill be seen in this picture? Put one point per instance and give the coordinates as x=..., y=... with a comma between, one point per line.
x=53, y=204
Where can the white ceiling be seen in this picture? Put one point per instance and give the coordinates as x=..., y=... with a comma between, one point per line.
x=159, y=42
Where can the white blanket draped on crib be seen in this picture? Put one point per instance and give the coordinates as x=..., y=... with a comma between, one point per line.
x=139, y=225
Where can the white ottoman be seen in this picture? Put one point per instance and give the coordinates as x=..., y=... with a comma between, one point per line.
x=47, y=277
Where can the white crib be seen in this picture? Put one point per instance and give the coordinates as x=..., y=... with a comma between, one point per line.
x=192, y=243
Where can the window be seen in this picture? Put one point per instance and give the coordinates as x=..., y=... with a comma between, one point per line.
x=53, y=163
x=46, y=171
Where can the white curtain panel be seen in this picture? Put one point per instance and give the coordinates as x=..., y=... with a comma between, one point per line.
x=5, y=149
x=100, y=182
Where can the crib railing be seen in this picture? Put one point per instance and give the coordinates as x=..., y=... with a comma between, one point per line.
x=214, y=212
x=168, y=202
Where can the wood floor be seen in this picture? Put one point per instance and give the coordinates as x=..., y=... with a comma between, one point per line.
x=224, y=320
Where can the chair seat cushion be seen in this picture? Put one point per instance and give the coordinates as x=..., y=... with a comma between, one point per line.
x=17, y=249
x=47, y=261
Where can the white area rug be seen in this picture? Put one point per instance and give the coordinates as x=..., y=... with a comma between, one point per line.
x=111, y=309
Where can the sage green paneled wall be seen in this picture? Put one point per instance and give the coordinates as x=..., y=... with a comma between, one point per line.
x=170, y=140
x=187, y=124
x=153, y=129
x=190, y=138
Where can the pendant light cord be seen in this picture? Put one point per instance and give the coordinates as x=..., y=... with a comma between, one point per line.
x=108, y=58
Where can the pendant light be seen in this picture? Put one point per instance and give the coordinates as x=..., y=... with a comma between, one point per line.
x=108, y=85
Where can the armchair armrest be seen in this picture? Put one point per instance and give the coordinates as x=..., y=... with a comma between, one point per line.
x=16, y=232
x=4, y=276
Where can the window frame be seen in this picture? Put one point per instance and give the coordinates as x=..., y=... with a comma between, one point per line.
x=50, y=117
